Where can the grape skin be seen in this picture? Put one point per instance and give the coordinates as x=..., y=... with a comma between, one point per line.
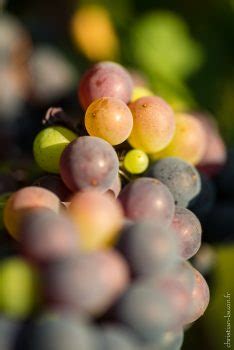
x=46, y=236
x=89, y=283
x=147, y=198
x=110, y=119
x=182, y=179
x=153, y=124
x=116, y=337
x=188, y=231
x=89, y=162
x=148, y=248
x=105, y=79
x=136, y=161
x=98, y=218
x=24, y=200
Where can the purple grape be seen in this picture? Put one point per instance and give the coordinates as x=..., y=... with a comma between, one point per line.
x=89, y=162
x=148, y=247
x=105, y=79
x=147, y=198
x=46, y=236
x=170, y=340
x=88, y=283
x=182, y=179
x=188, y=232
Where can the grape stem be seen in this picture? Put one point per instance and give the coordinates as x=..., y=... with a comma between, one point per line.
x=57, y=116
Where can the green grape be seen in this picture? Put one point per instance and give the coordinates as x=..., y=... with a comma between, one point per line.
x=136, y=161
x=18, y=289
x=49, y=145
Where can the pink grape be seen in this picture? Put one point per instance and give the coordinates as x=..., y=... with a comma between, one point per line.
x=105, y=79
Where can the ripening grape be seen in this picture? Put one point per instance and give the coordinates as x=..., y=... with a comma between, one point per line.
x=188, y=232
x=140, y=91
x=49, y=145
x=147, y=198
x=182, y=179
x=200, y=298
x=46, y=236
x=25, y=200
x=110, y=119
x=116, y=337
x=54, y=184
x=169, y=340
x=9, y=332
x=89, y=162
x=19, y=288
x=188, y=142
x=89, y=282
x=148, y=247
x=105, y=79
x=60, y=332
x=98, y=218
x=153, y=124
x=136, y=161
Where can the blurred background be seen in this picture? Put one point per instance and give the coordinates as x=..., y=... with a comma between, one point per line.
x=183, y=50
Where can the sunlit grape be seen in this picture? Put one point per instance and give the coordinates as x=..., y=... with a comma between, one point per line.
x=153, y=124
x=25, y=200
x=105, y=79
x=188, y=142
x=136, y=161
x=110, y=119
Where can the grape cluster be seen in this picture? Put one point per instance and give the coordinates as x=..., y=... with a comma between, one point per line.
x=105, y=235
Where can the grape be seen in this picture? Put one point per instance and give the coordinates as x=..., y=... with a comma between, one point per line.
x=115, y=188
x=140, y=91
x=199, y=299
x=170, y=340
x=150, y=309
x=116, y=337
x=54, y=184
x=98, y=217
x=153, y=124
x=148, y=247
x=188, y=232
x=49, y=145
x=9, y=331
x=136, y=161
x=89, y=282
x=105, y=79
x=180, y=177
x=19, y=288
x=89, y=162
x=147, y=198
x=188, y=142
x=60, y=332
x=110, y=119
x=25, y=200
x=46, y=236
x=205, y=259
